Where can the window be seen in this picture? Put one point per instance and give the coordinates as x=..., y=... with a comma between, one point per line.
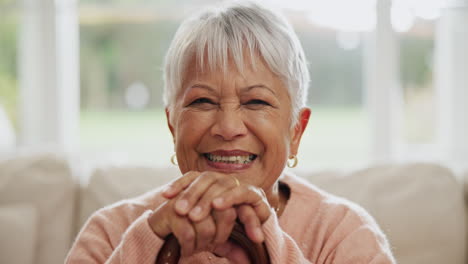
x=415, y=23
x=122, y=45
x=8, y=72
x=122, y=49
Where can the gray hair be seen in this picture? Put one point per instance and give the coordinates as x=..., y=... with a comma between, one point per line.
x=232, y=29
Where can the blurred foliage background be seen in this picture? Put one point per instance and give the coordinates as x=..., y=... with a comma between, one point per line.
x=8, y=55
x=116, y=51
x=122, y=47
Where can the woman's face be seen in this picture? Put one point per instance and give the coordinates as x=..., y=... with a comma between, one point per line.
x=235, y=123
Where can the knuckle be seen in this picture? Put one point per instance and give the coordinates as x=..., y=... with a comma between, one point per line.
x=246, y=191
x=224, y=181
x=187, y=235
x=184, y=178
x=219, y=178
x=208, y=176
x=191, y=174
x=181, y=181
x=220, y=181
x=187, y=177
x=186, y=195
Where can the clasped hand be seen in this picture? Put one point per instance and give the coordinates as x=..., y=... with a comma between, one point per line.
x=201, y=211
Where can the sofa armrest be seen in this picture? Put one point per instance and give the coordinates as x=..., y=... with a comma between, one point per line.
x=43, y=185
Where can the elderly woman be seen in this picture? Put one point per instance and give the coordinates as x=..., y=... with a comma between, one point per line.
x=235, y=88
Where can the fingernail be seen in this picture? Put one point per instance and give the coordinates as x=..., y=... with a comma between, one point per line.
x=218, y=201
x=182, y=205
x=196, y=211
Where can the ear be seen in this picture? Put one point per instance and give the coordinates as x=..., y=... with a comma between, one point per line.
x=298, y=130
x=171, y=128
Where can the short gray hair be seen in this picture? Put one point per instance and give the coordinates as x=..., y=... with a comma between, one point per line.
x=230, y=29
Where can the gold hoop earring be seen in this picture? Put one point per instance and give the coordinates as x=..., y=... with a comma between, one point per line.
x=294, y=161
x=174, y=160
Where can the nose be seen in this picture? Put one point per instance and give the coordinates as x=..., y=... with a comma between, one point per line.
x=229, y=125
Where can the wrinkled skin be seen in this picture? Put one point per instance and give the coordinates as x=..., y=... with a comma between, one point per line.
x=215, y=114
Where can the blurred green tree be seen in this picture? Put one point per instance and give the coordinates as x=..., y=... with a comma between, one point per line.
x=8, y=55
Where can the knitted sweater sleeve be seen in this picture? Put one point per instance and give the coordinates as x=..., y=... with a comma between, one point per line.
x=349, y=238
x=115, y=238
x=281, y=247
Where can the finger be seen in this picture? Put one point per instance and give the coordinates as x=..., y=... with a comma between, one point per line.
x=234, y=253
x=158, y=222
x=223, y=249
x=252, y=225
x=224, y=221
x=190, y=196
x=203, y=206
x=161, y=218
x=205, y=231
x=185, y=234
x=175, y=187
x=244, y=195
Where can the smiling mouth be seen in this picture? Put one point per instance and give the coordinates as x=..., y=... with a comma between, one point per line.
x=240, y=159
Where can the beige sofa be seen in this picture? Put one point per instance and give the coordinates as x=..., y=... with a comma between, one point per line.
x=45, y=199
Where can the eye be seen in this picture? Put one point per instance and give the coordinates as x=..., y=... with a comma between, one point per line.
x=257, y=102
x=202, y=100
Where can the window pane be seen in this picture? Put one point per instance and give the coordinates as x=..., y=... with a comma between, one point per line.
x=8, y=72
x=338, y=132
x=416, y=53
x=121, y=85
x=121, y=80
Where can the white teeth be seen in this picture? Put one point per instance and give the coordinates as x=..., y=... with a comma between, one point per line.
x=231, y=159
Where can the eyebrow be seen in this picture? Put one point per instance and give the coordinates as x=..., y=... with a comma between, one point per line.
x=203, y=86
x=246, y=89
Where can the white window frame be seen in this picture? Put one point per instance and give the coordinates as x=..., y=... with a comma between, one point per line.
x=49, y=74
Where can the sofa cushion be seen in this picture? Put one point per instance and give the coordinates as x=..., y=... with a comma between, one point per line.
x=113, y=183
x=419, y=206
x=465, y=190
x=45, y=183
x=18, y=229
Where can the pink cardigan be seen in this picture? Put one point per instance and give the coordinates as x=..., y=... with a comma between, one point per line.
x=315, y=227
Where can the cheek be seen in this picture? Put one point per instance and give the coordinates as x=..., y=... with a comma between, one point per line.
x=271, y=123
x=273, y=134
x=272, y=130
x=191, y=127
